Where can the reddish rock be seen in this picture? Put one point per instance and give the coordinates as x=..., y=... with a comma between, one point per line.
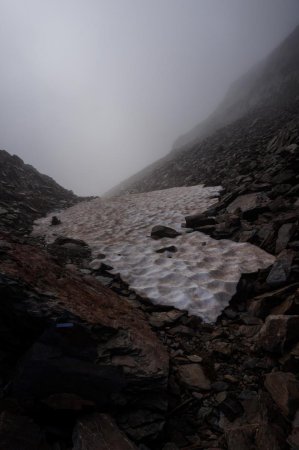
x=193, y=377
x=284, y=389
x=278, y=333
x=83, y=338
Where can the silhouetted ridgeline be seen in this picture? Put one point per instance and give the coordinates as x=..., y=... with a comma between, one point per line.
x=26, y=194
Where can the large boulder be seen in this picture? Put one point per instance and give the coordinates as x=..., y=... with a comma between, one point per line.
x=284, y=389
x=250, y=205
x=278, y=333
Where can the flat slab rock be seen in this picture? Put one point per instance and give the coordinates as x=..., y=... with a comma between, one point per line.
x=249, y=202
x=100, y=432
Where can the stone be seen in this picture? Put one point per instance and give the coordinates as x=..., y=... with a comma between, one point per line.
x=55, y=221
x=99, y=432
x=199, y=220
x=67, y=248
x=223, y=348
x=231, y=408
x=170, y=248
x=95, y=264
x=250, y=205
x=278, y=333
x=285, y=234
x=262, y=305
x=281, y=269
x=193, y=377
x=258, y=428
x=284, y=390
x=160, y=231
x=161, y=319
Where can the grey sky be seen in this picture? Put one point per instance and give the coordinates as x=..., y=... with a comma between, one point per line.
x=93, y=90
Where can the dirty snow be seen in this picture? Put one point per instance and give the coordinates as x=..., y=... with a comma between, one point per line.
x=200, y=277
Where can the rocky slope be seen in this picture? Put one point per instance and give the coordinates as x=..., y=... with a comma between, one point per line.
x=274, y=80
x=87, y=364
x=26, y=194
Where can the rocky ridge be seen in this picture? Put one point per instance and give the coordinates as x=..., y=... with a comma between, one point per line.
x=26, y=194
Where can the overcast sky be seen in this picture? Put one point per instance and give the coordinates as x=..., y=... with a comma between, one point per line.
x=93, y=90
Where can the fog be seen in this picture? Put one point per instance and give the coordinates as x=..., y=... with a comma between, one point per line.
x=94, y=90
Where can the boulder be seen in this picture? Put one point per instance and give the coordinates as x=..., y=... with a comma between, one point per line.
x=199, y=220
x=285, y=234
x=251, y=205
x=99, y=432
x=280, y=272
x=260, y=427
x=160, y=231
x=284, y=390
x=193, y=377
x=69, y=249
x=278, y=333
x=262, y=305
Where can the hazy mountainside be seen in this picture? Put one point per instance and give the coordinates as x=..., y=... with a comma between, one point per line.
x=26, y=194
x=275, y=80
x=87, y=363
x=254, y=110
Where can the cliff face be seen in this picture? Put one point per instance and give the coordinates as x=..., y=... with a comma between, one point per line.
x=26, y=194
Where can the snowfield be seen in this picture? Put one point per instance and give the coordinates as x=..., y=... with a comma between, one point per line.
x=200, y=277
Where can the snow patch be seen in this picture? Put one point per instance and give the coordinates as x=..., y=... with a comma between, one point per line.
x=200, y=277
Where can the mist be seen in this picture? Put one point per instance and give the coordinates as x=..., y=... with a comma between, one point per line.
x=92, y=91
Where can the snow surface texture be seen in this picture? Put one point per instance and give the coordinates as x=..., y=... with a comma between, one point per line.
x=200, y=277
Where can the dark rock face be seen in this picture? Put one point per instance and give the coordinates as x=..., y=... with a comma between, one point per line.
x=26, y=194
